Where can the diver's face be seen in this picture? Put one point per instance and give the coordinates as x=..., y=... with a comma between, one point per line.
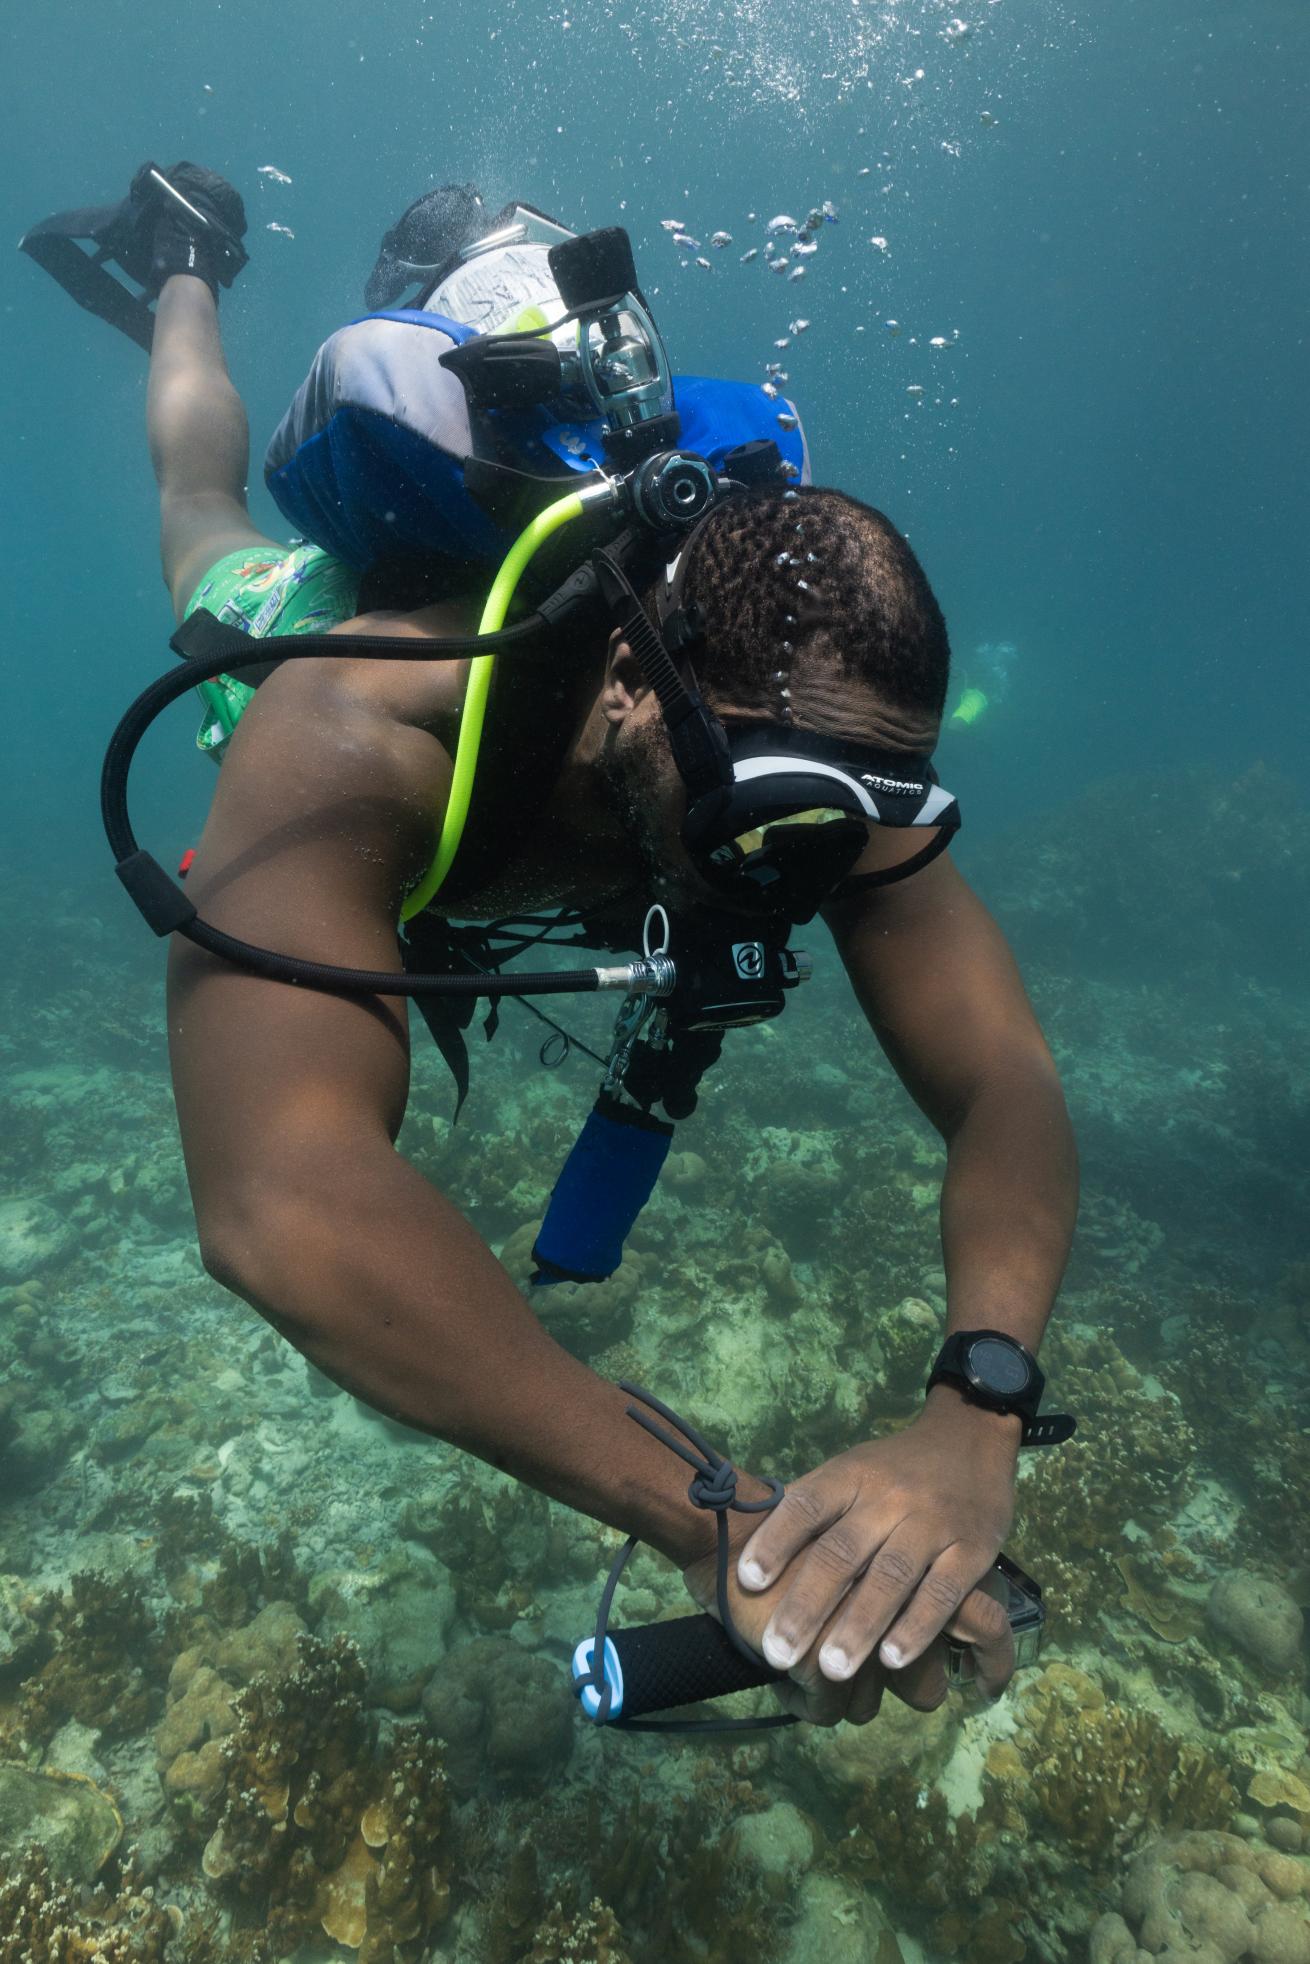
x=647, y=795
x=649, y=798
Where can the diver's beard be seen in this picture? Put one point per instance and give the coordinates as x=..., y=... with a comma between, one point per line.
x=629, y=773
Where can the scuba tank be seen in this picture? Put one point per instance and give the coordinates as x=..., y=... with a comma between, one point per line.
x=423, y=430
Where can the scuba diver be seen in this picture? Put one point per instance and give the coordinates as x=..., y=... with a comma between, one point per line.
x=985, y=683
x=710, y=717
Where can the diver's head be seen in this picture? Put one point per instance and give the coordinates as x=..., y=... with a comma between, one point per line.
x=813, y=604
x=815, y=619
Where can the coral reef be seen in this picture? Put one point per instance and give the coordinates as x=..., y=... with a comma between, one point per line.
x=318, y=1829
x=1211, y=1898
x=1132, y=1459
x=183, y=1505
x=101, y=1646
x=41, y=1924
x=1096, y=1775
x=591, y=1936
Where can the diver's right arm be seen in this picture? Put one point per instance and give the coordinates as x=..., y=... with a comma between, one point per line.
x=289, y=1102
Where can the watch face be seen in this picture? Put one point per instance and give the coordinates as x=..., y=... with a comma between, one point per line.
x=998, y=1367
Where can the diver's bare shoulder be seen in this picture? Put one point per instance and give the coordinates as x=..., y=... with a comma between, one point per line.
x=424, y=694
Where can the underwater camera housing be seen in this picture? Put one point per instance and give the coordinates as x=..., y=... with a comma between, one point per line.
x=613, y=365
x=1021, y=1599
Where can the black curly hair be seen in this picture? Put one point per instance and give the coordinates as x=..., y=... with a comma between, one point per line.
x=785, y=576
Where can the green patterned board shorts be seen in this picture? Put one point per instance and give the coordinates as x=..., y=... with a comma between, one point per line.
x=266, y=592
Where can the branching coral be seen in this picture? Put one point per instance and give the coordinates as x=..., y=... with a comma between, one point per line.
x=592, y=1936
x=126, y=1924
x=1098, y=1774
x=101, y=1644
x=249, y=1575
x=901, y=1837
x=1131, y=1459
x=666, y=1869
x=495, y=1535
x=316, y=1829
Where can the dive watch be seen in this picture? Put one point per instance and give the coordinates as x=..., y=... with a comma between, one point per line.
x=994, y=1370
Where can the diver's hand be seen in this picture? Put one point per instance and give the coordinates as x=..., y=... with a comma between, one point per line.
x=804, y=1691
x=878, y=1551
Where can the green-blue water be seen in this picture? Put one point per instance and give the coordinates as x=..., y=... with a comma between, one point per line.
x=1103, y=214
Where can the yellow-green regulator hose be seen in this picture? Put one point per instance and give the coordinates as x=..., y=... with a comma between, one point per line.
x=474, y=711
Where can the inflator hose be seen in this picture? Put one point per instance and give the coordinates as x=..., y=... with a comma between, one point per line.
x=472, y=715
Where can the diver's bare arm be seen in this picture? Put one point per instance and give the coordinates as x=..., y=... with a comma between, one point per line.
x=290, y=1100
x=940, y=987
x=199, y=440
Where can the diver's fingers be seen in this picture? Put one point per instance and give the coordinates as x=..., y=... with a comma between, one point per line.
x=866, y=1689
x=982, y=1623
x=921, y=1683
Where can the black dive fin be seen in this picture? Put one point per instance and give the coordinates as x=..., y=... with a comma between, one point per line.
x=84, y=274
x=186, y=219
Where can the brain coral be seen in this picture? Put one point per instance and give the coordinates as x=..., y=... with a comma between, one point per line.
x=1208, y=1898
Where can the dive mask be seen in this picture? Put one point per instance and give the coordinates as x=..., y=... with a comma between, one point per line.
x=800, y=810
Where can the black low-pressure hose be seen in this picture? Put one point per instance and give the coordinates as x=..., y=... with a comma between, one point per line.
x=165, y=905
x=225, y=656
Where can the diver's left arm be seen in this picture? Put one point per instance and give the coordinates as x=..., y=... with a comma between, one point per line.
x=882, y=1547
x=942, y=992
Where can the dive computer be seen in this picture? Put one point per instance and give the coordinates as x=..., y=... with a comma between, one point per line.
x=994, y=1370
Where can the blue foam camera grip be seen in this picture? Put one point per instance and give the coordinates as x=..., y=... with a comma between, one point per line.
x=602, y=1187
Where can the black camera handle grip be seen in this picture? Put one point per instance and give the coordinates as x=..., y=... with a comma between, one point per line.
x=653, y=1667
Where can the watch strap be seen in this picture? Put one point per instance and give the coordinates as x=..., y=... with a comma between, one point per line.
x=1052, y=1429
